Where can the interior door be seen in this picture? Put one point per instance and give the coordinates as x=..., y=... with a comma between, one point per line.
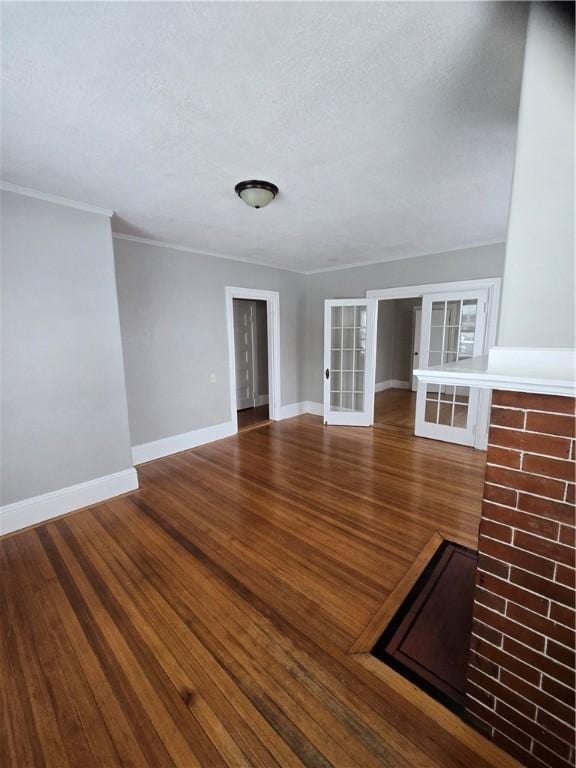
x=453, y=328
x=416, y=344
x=349, y=361
x=244, y=352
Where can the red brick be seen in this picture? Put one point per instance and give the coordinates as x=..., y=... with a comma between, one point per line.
x=485, y=665
x=544, y=465
x=550, y=424
x=504, y=457
x=543, y=587
x=539, y=697
x=555, y=726
x=500, y=691
x=507, y=627
x=563, y=690
x=522, y=520
x=570, y=496
x=498, y=495
x=517, y=557
x=533, y=402
x=513, y=592
x=490, y=565
x=522, y=756
x=562, y=513
x=532, y=728
x=537, y=660
x=564, y=615
x=544, y=626
x=498, y=722
x=544, y=547
x=568, y=536
x=521, y=481
x=495, y=530
x=508, y=661
x=530, y=442
x=480, y=694
x=565, y=575
x=490, y=600
x=504, y=417
x=485, y=632
x=550, y=758
x=561, y=653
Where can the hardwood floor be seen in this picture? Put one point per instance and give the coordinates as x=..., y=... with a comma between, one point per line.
x=395, y=408
x=206, y=619
x=251, y=417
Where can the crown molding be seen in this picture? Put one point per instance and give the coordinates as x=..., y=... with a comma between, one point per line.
x=338, y=267
x=198, y=252
x=47, y=197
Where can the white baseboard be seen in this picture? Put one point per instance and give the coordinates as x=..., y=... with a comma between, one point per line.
x=261, y=400
x=183, y=442
x=392, y=384
x=297, y=409
x=317, y=409
x=22, y=514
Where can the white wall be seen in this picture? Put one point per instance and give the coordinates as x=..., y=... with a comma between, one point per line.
x=173, y=320
x=538, y=286
x=64, y=413
x=465, y=264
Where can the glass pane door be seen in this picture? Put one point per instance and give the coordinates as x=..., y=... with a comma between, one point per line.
x=452, y=330
x=349, y=355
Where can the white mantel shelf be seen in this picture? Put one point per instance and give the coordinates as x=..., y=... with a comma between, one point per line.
x=543, y=371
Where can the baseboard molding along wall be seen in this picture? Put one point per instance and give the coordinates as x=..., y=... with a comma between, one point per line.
x=22, y=514
x=392, y=384
x=183, y=442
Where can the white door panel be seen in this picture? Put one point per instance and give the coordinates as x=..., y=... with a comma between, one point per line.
x=452, y=328
x=349, y=361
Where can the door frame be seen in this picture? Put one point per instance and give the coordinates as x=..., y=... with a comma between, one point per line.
x=272, y=299
x=493, y=286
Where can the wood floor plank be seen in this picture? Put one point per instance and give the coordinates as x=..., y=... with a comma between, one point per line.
x=206, y=619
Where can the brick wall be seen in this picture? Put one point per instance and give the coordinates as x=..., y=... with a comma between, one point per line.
x=520, y=686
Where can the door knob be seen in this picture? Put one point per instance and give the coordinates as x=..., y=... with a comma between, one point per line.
x=327, y=373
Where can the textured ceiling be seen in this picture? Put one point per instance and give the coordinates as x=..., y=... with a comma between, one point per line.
x=389, y=127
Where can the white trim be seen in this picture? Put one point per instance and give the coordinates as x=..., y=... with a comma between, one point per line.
x=414, y=291
x=392, y=384
x=183, y=442
x=47, y=197
x=298, y=409
x=337, y=267
x=272, y=299
x=541, y=371
x=198, y=252
x=36, y=509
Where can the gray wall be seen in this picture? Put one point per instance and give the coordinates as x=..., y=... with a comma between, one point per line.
x=465, y=264
x=394, y=339
x=173, y=319
x=64, y=414
x=538, y=287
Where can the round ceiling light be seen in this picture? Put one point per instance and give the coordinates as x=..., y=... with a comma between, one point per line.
x=255, y=193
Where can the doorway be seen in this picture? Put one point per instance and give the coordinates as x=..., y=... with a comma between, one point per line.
x=397, y=350
x=251, y=360
x=253, y=329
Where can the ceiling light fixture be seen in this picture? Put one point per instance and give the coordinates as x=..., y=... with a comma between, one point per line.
x=255, y=193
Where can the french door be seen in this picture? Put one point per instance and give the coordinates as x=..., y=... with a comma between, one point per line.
x=453, y=328
x=349, y=361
